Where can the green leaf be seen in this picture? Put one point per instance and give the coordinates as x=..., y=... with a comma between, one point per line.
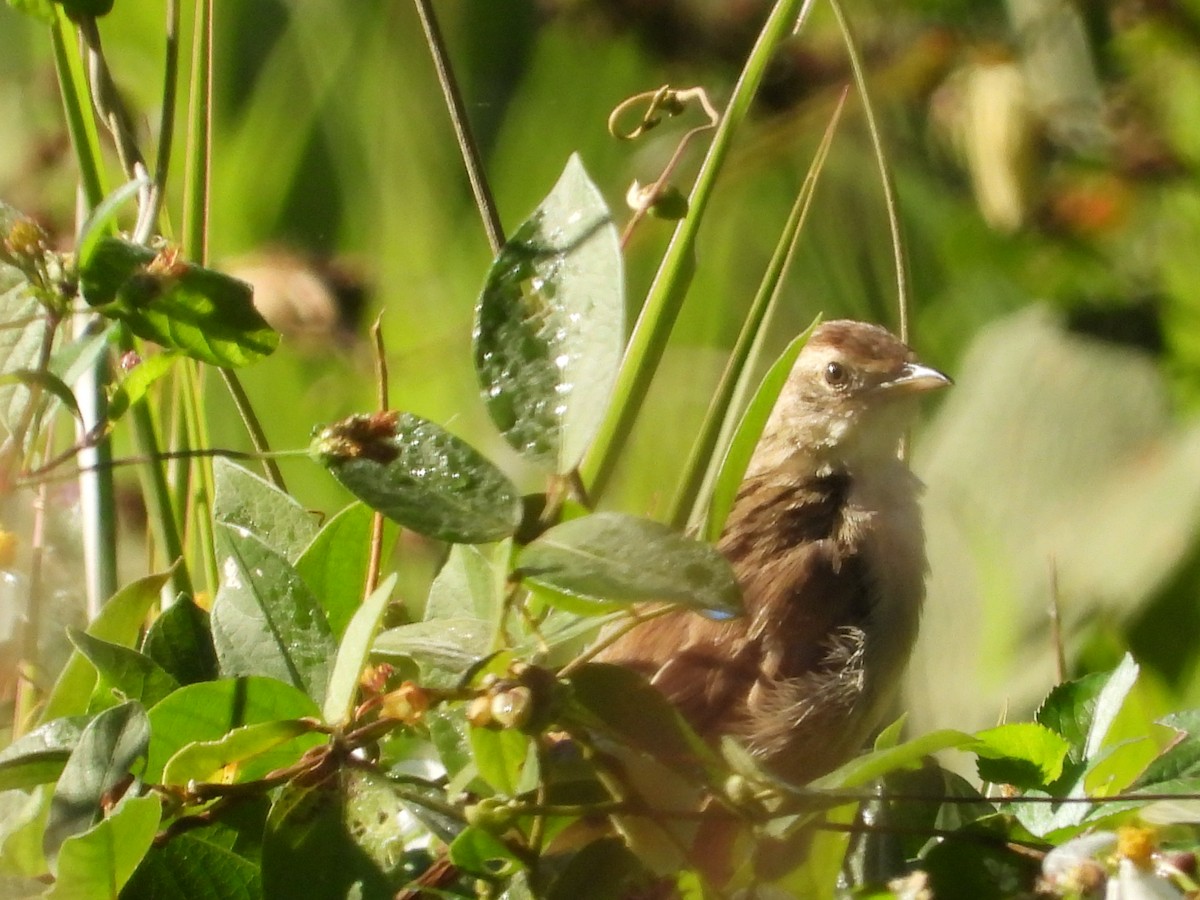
x=334, y=564
x=245, y=500
x=1082, y=711
x=265, y=621
x=103, y=219
x=869, y=766
x=46, y=381
x=308, y=851
x=578, y=879
x=210, y=710
x=621, y=558
x=132, y=674
x=1023, y=754
x=471, y=584
x=442, y=649
x=353, y=652
x=622, y=702
x=501, y=756
x=420, y=475
x=21, y=327
x=119, y=621
x=376, y=818
x=550, y=324
x=100, y=861
x=109, y=747
x=481, y=853
x=39, y=757
x=180, y=641
x=196, y=865
x=212, y=760
x=137, y=382
x=200, y=312
x=979, y=870
x=745, y=437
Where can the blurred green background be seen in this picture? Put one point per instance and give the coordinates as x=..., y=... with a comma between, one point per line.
x=1045, y=160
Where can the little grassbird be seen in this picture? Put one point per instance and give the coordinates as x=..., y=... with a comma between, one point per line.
x=825, y=537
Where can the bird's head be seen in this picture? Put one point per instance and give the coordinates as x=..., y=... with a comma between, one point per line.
x=848, y=400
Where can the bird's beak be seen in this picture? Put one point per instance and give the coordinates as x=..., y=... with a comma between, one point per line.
x=915, y=378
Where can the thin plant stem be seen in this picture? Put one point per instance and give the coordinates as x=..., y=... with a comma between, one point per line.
x=166, y=127
x=885, y=171
x=665, y=298
x=375, y=561
x=702, y=460
x=484, y=200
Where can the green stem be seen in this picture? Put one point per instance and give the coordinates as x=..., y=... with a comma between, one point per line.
x=96, y=487
x=484, y=200
x=701, y=461
x=885, y=172
x=666, y=295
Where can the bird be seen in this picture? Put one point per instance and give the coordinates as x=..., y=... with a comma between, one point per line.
x=826, y=541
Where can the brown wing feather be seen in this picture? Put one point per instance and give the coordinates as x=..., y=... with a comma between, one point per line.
x=802, y=587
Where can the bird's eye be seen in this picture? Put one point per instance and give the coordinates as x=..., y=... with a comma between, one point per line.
x=836, y=374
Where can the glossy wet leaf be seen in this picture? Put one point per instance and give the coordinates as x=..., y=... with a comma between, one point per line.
x=109, y=749
x=550, y=324
x=212, y=709
x=245, y=499
x=620, y=558
x=200, y=312
x=420, y=475
x=265, y=621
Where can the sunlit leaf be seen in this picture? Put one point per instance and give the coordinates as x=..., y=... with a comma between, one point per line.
x=334, y=564
x=200, y=312
x=39, y=757
x=265, y=621
x=135, y=384
x=612, y=557
x=248, y=501
x=353, y=651
x=420, y=475
x=217, y=760
x=550, y=324
x=98, y=862
x=211, y=709
x=1023, y=754
x=443, y=649
x=119, y=621
x=133, y=675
